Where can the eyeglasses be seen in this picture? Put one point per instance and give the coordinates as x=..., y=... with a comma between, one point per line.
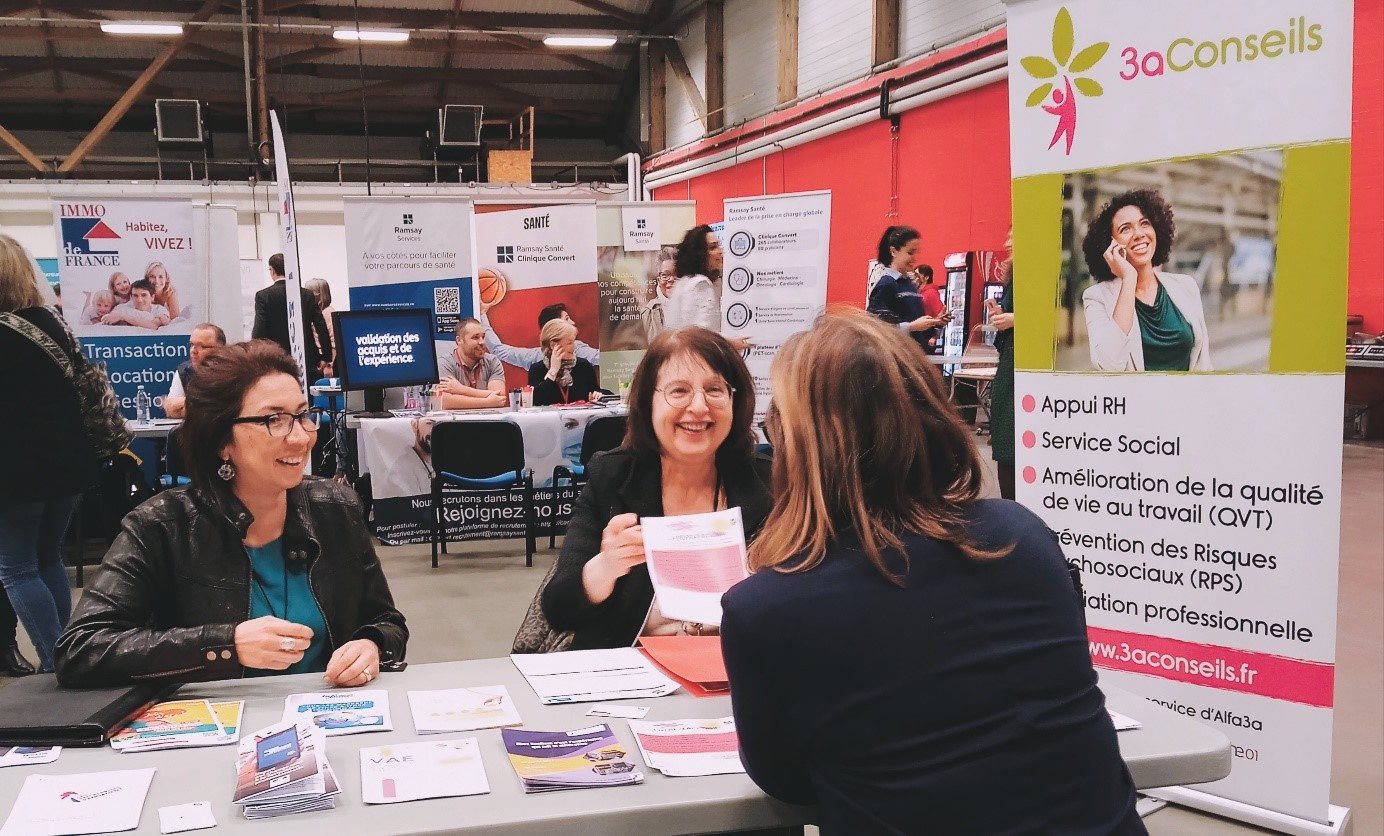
x=679, y=395
x=280, y=424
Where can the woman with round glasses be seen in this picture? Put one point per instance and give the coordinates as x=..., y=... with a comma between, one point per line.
x=254, y=568
x=688, y=449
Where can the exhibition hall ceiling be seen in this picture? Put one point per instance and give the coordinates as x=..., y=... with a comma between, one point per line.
x=60, y=72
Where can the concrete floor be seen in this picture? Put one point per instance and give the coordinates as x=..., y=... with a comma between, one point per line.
x=471, y=606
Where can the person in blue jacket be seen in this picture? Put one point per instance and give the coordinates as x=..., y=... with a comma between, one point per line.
x=896, y=297
x=907, y=656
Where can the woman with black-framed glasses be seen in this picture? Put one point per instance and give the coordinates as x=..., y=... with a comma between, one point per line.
x=688, y=449
x=252, y=569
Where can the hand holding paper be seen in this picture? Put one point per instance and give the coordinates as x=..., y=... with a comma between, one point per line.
x=693, y=560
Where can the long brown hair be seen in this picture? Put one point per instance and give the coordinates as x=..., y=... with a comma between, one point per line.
x=866, y=443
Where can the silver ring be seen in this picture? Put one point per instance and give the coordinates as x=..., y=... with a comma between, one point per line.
x=287, y=644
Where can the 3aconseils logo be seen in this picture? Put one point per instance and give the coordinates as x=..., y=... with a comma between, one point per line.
x=79, y=797
x=1062, y=79
x=1183, y=54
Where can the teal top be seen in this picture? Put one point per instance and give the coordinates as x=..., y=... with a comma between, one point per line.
x=1167, y=336
x=282, y=591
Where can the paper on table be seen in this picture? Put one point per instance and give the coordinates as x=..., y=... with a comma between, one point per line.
x=341, y=712
x=592, y=675
x=608, y=709
x=107, y=802
x=171, y=725
x=687, y=748
x=28, y=755
x=462, y=709
x=693, y=559
x=694, y=660
x=183, y=817
x=432, y=769
x=1122, y=722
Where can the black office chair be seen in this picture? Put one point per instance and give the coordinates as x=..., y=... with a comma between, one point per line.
x=174, y=471
x=480, y=456
x=601, y=434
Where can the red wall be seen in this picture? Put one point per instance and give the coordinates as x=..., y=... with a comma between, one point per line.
x=1366, y=294
x=953, y=183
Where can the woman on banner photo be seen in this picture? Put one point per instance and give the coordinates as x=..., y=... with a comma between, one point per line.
x=1140, y=318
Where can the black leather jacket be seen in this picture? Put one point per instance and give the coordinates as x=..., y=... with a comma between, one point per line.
x=166, y=600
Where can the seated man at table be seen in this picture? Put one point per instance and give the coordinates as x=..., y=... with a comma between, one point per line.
x=204, y=338
x=471, y=377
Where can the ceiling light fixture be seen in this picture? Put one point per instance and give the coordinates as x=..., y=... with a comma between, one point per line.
x=590, y=41
x=381, y=36
x=118, y=28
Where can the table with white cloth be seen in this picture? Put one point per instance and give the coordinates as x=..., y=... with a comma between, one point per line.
x=396, y=454
x=1168, y=749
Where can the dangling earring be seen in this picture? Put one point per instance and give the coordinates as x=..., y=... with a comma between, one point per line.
x=226, y=471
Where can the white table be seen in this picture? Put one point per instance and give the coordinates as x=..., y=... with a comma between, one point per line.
x=1169, y=749
x=987, y=359
x=157, y=428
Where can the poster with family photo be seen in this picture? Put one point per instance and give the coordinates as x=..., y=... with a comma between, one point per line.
x=128, y=267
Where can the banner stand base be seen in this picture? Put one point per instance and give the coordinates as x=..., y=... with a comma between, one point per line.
x=1340, y=823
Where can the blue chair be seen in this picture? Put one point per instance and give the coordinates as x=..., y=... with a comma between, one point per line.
x=601, y=434
x=480, y=456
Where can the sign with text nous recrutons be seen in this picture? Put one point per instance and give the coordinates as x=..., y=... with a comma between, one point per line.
x=1182, y=191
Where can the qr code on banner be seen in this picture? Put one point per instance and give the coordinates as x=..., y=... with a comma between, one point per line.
x=447, y=300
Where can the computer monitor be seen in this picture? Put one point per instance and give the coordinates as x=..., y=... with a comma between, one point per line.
x=378, y=349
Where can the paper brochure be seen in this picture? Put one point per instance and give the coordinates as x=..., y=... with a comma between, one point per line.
x=341, y=712
x=592, y=675
x=462, y=709
x=431, y=769
x=689, y=747
x=693, y=559
x=92, y=802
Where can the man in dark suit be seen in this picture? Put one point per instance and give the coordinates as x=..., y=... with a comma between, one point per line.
x=271, y=321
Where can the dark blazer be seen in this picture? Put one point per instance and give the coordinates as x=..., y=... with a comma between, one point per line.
x=546, y=392
x=271, y=323
x=964, y=702
x=620, y=483
x=167, y=598
x=44, y=450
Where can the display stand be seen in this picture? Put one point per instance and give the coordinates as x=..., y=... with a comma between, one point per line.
x=1339, y=825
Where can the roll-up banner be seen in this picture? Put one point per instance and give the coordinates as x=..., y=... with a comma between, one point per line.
x=529, y=257
x=637, y=247
x=413, y=253
x=1181, y=210
x=131, y=287
x=293, y=277
x=774, y=283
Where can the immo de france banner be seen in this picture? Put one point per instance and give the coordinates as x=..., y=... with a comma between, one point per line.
x=1181, y=196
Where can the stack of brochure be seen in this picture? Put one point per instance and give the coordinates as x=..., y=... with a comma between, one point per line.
x=341, y=712
x=431, y=769
x=592, y=675
x=181, y=724
x=687, y=748
x=282, y=769
x=462, y=709
x=584, y=758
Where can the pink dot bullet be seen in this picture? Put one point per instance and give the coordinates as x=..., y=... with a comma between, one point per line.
x=1030, y=475
x=1029, y=403
x=1030, y=439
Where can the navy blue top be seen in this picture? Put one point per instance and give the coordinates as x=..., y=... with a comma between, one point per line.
x=895, y=298
x=282, y=590
x=964, y=702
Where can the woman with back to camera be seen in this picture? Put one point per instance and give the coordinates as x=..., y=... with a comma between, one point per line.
x=254, y=568
x=156, y=274
x=1140, y=318
x=562, y=377
x=960, y=696
x=895, y=298
x=46, y=459
x=695, y=298
x=688, y=449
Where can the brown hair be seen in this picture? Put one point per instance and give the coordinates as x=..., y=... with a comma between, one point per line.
x=18, y=279
x=713, y=349
x=885, y=454
x=215, y=396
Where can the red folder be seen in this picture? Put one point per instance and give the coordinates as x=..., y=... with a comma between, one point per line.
x=694, y=661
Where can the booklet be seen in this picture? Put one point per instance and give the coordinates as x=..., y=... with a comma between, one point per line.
x=28, y=755
x=92, y=802
x=431, y=769
x=694, y=661
x=462, y=709
x=341, y=712
x=693, y=559
x=689, y=747
x=172, y=725
x=583, y=758
x=280, y=763
x=592, y=675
